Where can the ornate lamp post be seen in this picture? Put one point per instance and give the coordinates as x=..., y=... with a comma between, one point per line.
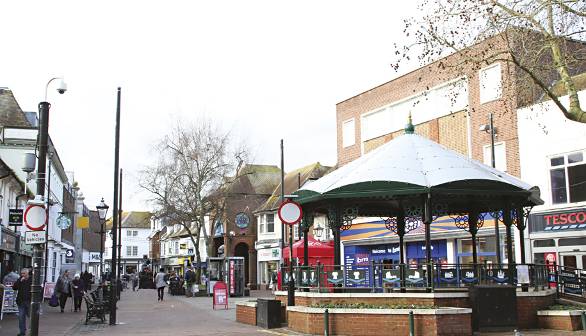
x=102, y=213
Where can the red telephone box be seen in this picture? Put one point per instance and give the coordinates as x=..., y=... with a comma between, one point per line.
x=220, y=295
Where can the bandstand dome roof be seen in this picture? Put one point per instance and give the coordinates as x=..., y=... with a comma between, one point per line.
x=411, y=164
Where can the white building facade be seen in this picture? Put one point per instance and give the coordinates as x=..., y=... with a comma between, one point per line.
x=553, y=156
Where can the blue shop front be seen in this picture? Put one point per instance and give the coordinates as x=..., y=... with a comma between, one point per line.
x=366, y=263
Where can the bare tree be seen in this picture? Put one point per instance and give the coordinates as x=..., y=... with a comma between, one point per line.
x=192, y=165
x=544, y=39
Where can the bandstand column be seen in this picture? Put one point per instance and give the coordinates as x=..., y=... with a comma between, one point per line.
x=427, y=219
x=401, y=234
x=473, y=229
x=521, y=228
x=507, y=220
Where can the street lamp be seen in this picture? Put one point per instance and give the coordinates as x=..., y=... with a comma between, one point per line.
x=102, y=213
x=492, y=130
x=43, y=142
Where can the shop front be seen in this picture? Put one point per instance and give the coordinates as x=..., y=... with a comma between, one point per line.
x=8, y=252
x=559, y=236
x=268, y=265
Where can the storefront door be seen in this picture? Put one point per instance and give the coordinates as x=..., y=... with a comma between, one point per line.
x=573, y=259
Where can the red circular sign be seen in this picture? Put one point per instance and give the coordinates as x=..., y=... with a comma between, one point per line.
x=35, y=217
x=290, y=212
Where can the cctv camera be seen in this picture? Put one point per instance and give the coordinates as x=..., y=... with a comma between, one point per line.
x=484, y=128
x=62, y=87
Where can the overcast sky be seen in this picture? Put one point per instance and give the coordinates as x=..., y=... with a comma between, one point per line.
x=266, y=70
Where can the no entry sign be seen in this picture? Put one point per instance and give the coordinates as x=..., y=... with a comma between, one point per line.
x=290, y=212
x=35, y=217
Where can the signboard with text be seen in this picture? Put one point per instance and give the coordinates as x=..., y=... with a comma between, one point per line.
x=220, y=295
x=8, y=302
x=34, y=237
x=15, y=217
x=563, y=220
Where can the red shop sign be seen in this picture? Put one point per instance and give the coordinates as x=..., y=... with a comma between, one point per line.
x=220, y=295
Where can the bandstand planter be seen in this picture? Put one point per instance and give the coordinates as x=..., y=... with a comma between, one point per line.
x=364, y=322
x=569, y=320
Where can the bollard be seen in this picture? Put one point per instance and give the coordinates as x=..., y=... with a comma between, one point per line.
x=583, y=320
x=326, y=323
x=411, y=324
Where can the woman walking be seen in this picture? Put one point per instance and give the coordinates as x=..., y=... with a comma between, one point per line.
x=78, y=289
x=161, y=283
x=63, y=288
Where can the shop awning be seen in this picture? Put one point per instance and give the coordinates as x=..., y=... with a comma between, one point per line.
x=316, y=249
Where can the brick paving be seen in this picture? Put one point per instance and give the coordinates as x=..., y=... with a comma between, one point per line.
x=140, y=314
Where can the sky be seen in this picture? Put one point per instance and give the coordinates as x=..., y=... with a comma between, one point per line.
x=263, y=70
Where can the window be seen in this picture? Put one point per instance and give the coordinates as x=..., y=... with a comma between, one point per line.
x=271, y=223
x=544, y=243
x=500, y=156
x=568, y=178
x=261, y=223
x=132, y=251
x=176, y=247
x=490, y=83
x=131, y=233
x=348, y=133
x=572, y=241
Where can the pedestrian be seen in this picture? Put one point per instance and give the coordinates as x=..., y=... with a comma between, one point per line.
x=78, y=287
x=86, y=277
x=63, y=288
x=10, y=278
x=161, y=283
x=23, y=299
x=189, y=281
x=134, y=280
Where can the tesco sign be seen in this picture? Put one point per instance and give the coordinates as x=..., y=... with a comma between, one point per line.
x=574, y=219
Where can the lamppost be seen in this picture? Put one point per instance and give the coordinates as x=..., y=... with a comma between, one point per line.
x=317, y=231
x=38, y=250
x=114, y=269
x=492, y=130
x=102, y=213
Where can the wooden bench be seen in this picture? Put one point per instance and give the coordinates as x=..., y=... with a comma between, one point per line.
x=94, y=308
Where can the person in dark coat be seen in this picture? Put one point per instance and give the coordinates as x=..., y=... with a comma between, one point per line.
x=23, y=299
x=63, y=288
x=78, y=289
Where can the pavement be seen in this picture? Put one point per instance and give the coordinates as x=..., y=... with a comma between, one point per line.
x=139, y=313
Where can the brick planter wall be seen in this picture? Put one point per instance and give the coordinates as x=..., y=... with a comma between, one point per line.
x=529, y=303
x=365, y=322
x=246, y=312
x=560, y=320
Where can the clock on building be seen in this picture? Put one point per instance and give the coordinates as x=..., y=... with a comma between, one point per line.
x=242, y=220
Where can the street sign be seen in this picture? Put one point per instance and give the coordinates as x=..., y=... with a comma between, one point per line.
x=63, y=222
x=34, y=237
x=290, y=212
x=35, y=217
x=15, y=217
x=69, y=256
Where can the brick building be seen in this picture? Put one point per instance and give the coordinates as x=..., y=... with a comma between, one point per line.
x=235, y=230
x=450, y=101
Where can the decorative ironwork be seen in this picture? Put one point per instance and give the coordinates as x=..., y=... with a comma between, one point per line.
x=461, y=220
x=514, y=218
x=306, y=221
x=413, y=211
x=480, y=221
x=348, y=216
x=439, y=210
x=497, y=216
x=412, y=223
x=332, y=218
x=391, y=224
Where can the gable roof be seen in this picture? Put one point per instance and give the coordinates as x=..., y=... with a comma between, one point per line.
x=134, y=219
x=10, y=112
x=256, y=179
x=293, y=180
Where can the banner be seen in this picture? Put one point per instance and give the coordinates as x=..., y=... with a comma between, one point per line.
x=83, y=222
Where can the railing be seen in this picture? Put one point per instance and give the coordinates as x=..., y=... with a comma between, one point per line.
x=375, y=277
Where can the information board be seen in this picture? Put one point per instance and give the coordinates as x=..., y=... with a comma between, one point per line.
x=8, y=302
x=220, y=295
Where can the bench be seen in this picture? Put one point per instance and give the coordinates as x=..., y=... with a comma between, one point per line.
x=95, y=308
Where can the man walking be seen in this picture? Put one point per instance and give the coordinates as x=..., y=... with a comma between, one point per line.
x=161, y=283
x=63, y=288
x=23, y=299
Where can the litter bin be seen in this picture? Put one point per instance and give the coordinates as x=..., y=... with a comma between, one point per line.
x=268, y=313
